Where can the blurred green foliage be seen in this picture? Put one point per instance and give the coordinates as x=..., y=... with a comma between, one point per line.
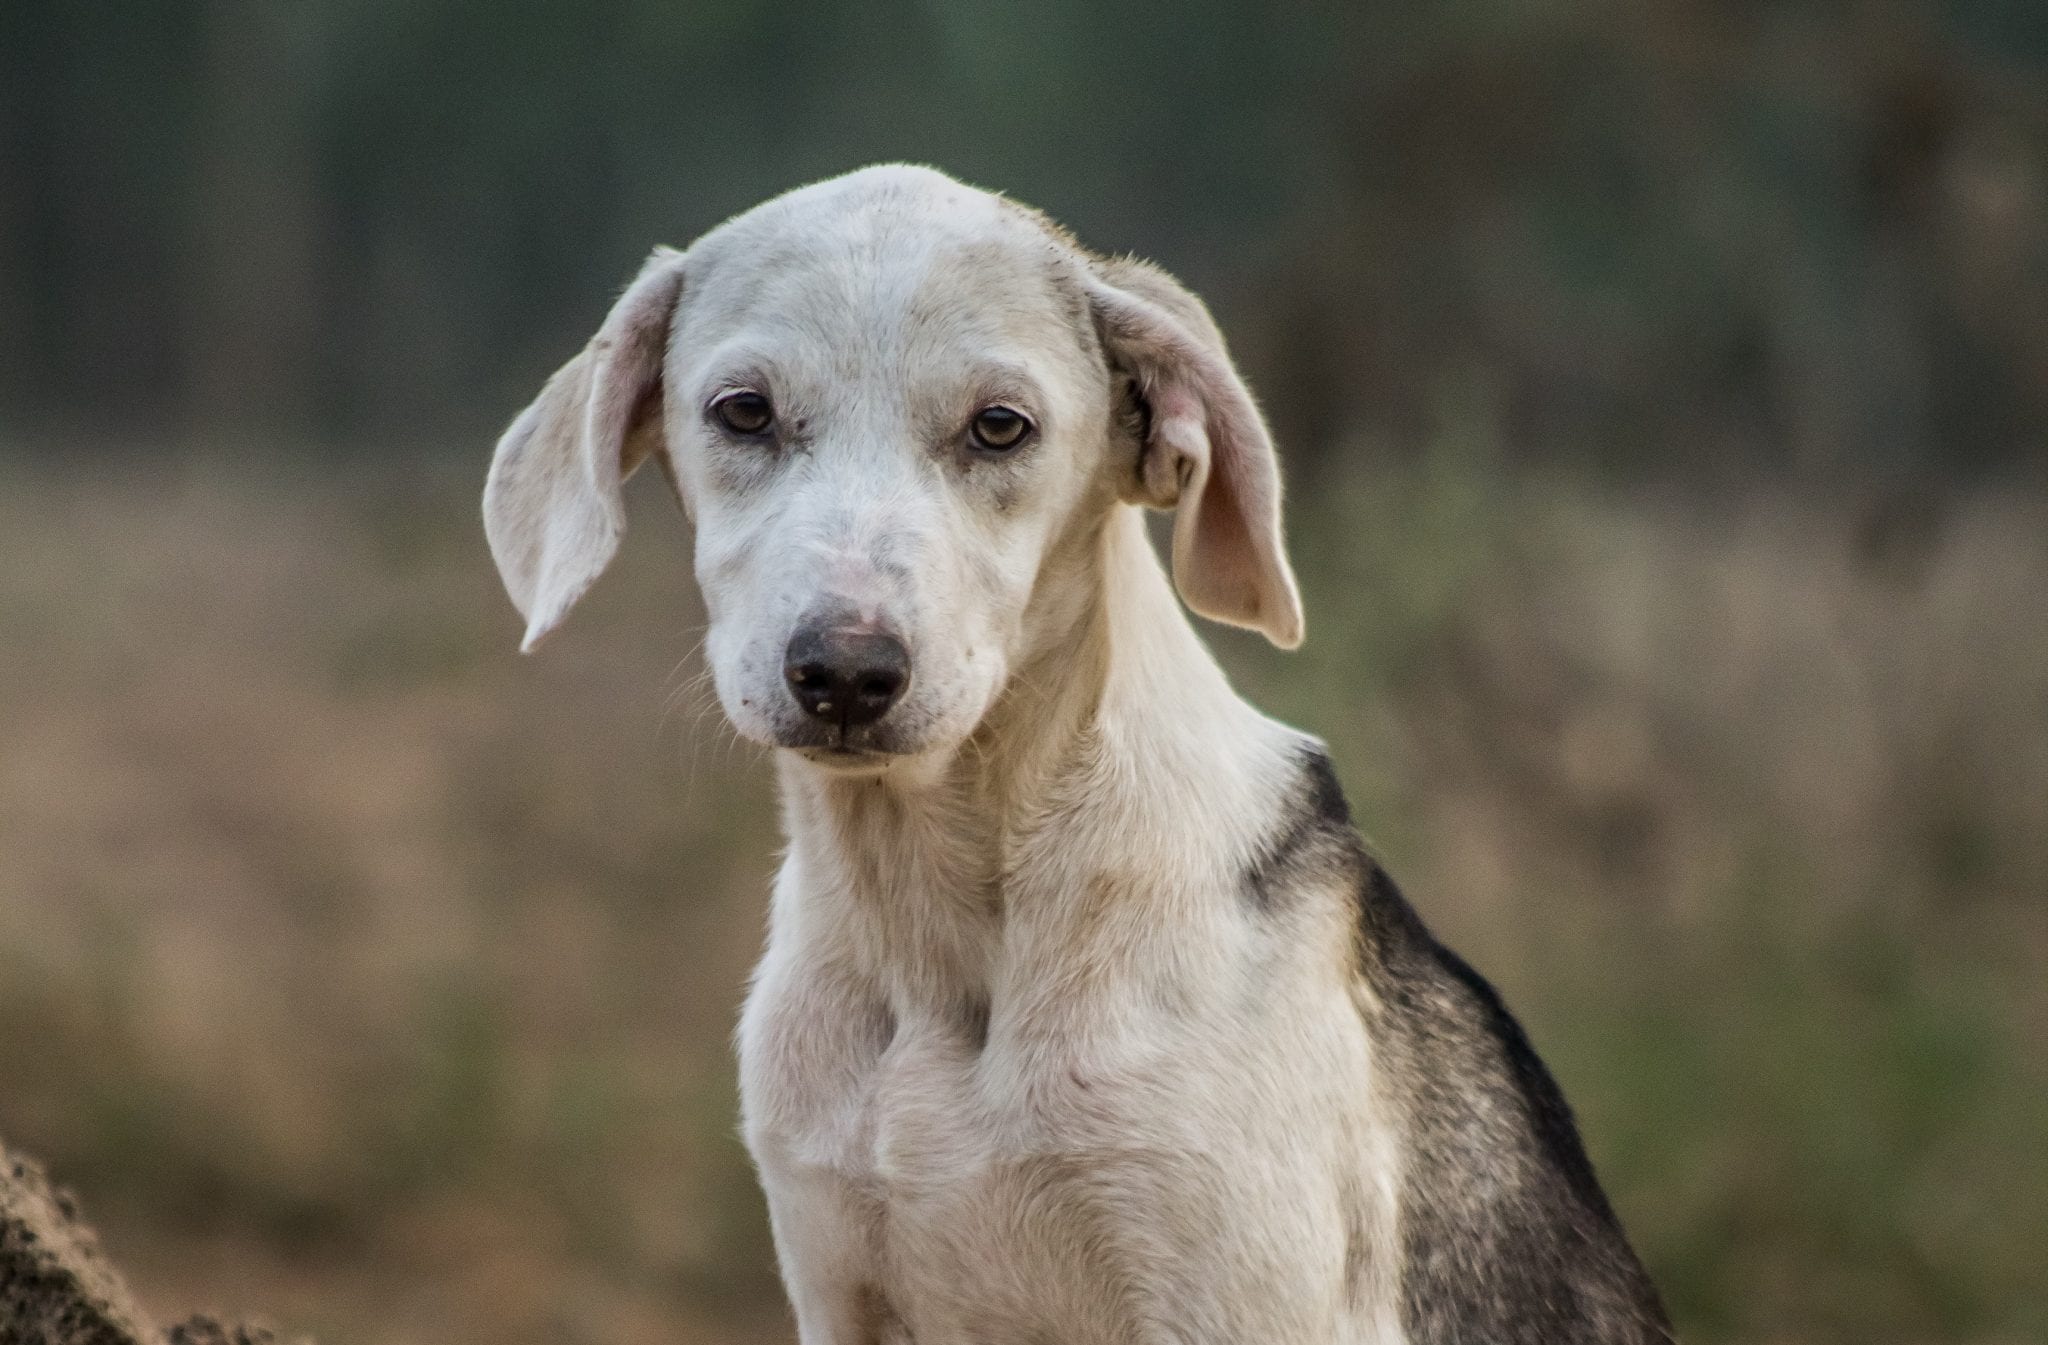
x=1686, y=236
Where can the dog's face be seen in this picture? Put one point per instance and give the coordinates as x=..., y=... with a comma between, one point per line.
x=897, y=409
x=886, y=411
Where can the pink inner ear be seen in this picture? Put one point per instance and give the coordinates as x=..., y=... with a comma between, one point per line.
x=1207, y=455
x=1179, y=451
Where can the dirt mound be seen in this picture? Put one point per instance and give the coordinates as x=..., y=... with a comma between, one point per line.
x=58, y=1288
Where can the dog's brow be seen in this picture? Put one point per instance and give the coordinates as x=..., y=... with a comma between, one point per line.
x=1004, y=381
x=736, y=364
x=751, y=374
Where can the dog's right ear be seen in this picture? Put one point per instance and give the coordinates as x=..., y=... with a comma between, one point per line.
x=552, y=505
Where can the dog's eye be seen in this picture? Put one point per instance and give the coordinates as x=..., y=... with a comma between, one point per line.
x=998, y=428
x=744, y=412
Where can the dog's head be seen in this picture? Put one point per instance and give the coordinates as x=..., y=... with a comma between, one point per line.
x=898, y=410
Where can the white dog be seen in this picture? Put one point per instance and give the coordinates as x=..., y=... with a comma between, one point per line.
x=1085, y=1017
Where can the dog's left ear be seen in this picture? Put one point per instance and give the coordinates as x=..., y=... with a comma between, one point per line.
x=552, y=507
x=1205, y=453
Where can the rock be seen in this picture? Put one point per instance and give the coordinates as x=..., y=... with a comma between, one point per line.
x=58, y=1288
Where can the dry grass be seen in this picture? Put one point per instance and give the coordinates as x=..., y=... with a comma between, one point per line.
x=355, y=968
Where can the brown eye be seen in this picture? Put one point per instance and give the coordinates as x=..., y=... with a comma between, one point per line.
x=747, y=413
x=998, y=428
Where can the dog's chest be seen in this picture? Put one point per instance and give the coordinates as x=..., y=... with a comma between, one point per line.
x=1100, y=1169
x=1004, y=1167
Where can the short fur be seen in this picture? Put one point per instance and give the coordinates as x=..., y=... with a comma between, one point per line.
x=1084, y=1016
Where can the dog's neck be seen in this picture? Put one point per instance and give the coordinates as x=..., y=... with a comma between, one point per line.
x=1117, y=753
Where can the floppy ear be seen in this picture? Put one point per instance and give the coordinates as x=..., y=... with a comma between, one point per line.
x=1205, y=451
x=552, y=507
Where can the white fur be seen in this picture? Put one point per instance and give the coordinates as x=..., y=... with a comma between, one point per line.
x=1170, y=1131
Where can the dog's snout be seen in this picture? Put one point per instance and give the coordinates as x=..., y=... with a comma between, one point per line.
x=846, y=675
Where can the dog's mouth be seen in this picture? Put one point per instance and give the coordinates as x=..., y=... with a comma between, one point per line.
x=847, y=750
x=848, y=760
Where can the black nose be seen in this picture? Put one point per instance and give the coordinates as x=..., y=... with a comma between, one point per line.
x=846, y=675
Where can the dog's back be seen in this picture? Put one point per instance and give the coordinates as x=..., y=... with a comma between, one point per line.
x=1506, y=1236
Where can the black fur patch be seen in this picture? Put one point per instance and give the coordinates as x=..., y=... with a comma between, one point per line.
x=1316, y=822
x=1557, y=1130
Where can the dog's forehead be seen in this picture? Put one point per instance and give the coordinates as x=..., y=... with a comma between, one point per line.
x=886, y=254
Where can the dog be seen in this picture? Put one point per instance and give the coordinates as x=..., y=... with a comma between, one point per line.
x=1085, y=1016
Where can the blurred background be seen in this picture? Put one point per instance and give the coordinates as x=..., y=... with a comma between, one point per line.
x=1664, y=388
